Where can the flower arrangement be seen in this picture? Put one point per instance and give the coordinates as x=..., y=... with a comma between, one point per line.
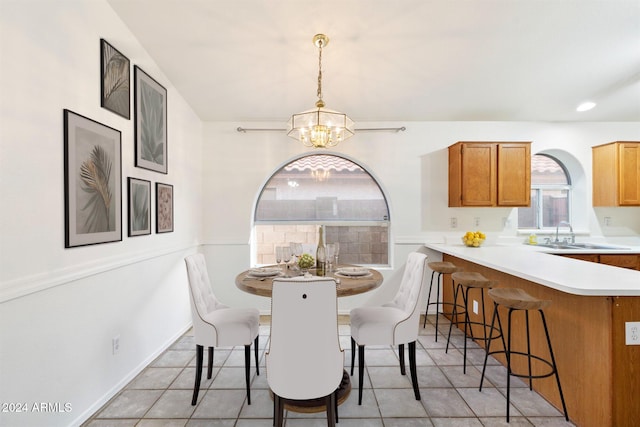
x=306, y=261
x=473, y=239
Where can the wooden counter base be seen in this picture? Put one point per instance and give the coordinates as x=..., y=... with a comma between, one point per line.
x=600, y=375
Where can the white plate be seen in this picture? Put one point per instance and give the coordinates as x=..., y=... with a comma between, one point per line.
x=351, y=276
x=353, y=271
x=264, y=272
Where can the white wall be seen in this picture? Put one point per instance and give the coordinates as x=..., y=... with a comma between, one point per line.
x=60, y=308
x=411, y=166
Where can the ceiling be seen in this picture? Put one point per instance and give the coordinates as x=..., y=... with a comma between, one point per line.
x=402, y=60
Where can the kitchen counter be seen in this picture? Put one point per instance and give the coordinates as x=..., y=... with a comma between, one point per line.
x=591, y=306
x=541, y=265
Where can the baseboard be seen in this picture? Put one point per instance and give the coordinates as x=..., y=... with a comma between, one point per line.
x=91, y=411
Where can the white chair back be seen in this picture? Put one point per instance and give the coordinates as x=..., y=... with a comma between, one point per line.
x=408, y=296
x=203, y=300
x=304, y=360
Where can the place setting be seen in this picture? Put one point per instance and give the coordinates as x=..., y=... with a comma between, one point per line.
x=353, y=272
x=263, y=273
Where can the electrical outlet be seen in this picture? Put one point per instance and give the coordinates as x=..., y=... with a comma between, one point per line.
x=632, y=334
x=115, y=344
x=454, y=222
x=475, y=306
x=607, y=221
x=476, y=221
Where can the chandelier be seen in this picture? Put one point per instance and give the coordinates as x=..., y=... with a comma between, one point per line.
x=320, y=127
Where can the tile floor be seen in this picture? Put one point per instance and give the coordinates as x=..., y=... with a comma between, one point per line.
x=161, y=394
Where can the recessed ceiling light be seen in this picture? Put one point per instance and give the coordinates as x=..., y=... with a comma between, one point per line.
x=586, y=106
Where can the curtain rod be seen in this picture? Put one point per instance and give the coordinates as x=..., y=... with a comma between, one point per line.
x=245, y=130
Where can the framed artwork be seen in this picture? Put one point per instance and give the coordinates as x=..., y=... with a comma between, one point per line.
x=139, y=207
x=150, y=123
x=115, y=80
x=164, y=208
x=92, y=180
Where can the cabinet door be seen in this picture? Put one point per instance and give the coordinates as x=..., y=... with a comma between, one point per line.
x=629, y=174
x=584, y=257
x=623, y=261
x=514, y=174
x=605, y=175
x=478, y=174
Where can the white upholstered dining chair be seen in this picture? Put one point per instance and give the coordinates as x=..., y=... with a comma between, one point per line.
x=217, y=325
x=304, y=360
x=394, y=323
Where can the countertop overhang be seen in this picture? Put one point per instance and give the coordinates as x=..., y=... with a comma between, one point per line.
x=543, y=266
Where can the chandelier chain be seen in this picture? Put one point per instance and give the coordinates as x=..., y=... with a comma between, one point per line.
x=320, y=71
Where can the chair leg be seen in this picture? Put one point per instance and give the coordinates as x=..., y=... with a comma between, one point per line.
x=426, y=311
x=467, y=322
x=247, y=369
x=255, y=349
x=413, y=369
x=335, y=405
x=555, y=367
x=210, y=365
x=331, y=416
x=353, y=354
x=278, y=411
x=508, y=355
x=454, y=315
x=360, y=372
x=488, y=346
x=526, y=314
x=196, y=386
x=401, y=354
x=438, y=303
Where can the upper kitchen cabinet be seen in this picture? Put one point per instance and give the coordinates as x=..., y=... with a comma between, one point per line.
x=490, y=174
x=616, y=174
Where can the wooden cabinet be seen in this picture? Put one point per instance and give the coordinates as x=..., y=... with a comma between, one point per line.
x=585, y=257
x=616, y=174
x=631, y=261
x=490, y=174
x=623, y=261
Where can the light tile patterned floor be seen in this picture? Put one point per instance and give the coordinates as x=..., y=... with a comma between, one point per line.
x=161, y=394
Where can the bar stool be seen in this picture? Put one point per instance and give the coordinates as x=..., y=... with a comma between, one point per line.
x=466, y=281
x=519, y=300
x=440, y=267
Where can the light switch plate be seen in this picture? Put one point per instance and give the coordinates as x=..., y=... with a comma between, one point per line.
x=632, y=333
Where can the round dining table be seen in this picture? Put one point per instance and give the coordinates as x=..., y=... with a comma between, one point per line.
x=346, y=285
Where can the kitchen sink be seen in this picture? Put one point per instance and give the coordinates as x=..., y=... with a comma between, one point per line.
x=583, y=246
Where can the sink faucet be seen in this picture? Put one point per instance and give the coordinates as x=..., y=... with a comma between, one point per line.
x=573, y=236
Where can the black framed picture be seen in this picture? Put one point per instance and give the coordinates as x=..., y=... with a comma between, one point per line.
x=164, y=208
x=115, y=80
x=92, y=180
x=150, y=122
x=139, y=207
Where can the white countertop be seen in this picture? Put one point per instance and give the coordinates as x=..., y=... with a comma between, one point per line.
x=539, y=265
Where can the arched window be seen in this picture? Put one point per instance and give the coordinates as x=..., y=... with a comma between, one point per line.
x=329, y=190
x=550, y=194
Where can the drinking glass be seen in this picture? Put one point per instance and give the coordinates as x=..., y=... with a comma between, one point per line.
x=331, y=251
x=336, y=252
x=278, y=255
x=292, y=252
x=298, y=249
x=286, y=254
